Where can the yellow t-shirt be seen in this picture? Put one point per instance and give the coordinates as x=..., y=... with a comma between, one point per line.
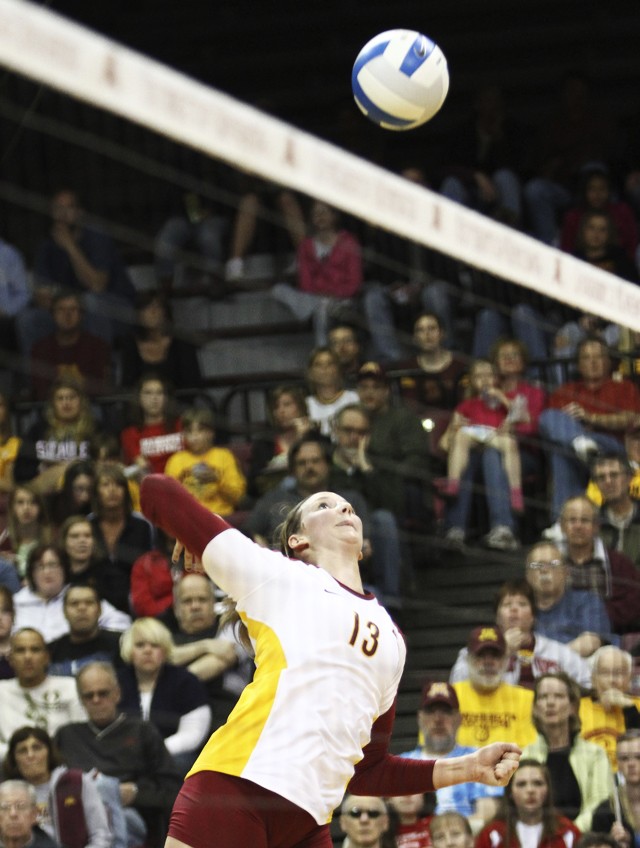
x=500, y=716
x=221, y=496
x=8, y=452
x=603, y=727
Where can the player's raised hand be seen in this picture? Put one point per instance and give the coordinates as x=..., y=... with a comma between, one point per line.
x=496, y=763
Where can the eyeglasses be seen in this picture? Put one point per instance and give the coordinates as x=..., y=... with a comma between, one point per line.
x=358, y=812
x=96, y=693
x=538, y=566
x=20, y=806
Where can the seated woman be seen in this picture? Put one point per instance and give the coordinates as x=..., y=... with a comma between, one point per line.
x=528, y=817
x=580, y=772
x=167, y=695
x=7, y=617
x=74, y=496
x=327, y=394
x=27, y=526
x=70, y=809
x=289, y=419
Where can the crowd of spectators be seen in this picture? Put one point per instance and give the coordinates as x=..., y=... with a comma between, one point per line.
x=114, y=661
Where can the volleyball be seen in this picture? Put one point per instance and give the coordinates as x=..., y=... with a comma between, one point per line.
x=400, y=79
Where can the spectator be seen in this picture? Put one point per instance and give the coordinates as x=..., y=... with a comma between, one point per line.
x=167, y=695
x=410, y=825
x=481, y=432
x=76, y=255
x=87, y=640
x=210, y=473
x=584, y=417
x=343, y=340
x=597, y=244
x=40, y=604
x=619, y=512
x=576, y=618
x=9, y=446
x=121, y=535
x=439, y=381
x=580, y=771
x=27, y=526
x=596, y=194
x=625, y=828
x=154, y=434
x=398, y=448
x=327, y=394
x=289, y=420
x=438, y=723
x=610, y=710
x=365, y=821
x=69, y=351
x=528, y=809
x=490, y=707
x=7, y=617
x=70, y=809
x=205, y=646
x=14, y=297
x=329, y=272
x=595, y=568
x=74, y=495
x=63, y=435
x=152, y=579
x=19, y=816
x=530, y=654
x=351, y=468
x=34, y=696
x=450, y=830
x=154, y=345
x=123, y=747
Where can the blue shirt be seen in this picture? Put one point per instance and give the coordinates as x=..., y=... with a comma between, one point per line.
x=14, y=288
x=577, y=611
x=462, y=797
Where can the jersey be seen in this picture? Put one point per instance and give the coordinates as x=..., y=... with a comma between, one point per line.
x=322, y=652
x=503, y=715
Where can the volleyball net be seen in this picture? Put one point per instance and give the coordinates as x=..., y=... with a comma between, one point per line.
x=45, y=47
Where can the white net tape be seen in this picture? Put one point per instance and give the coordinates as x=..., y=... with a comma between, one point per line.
x=46, y=47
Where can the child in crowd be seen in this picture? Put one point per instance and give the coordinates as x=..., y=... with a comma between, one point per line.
x=450, y=830
x=27, y=526
x=154, y=434
x=483, y=420
x=210, y=473
x=411, y=824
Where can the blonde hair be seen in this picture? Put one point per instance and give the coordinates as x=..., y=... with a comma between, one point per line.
x=148, y=630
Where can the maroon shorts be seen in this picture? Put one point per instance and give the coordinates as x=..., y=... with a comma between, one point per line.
x=231, y=812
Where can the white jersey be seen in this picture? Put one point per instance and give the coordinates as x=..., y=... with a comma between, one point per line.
x=328, y=664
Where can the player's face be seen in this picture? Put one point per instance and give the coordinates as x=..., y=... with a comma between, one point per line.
x=450, y=832
x=629, y=761
x=427, y=333
x=553, y=706
x=29, y=658
x=515, y=611
x=78, y=542
x=611, y=672
x=152, y=398
x=326, y=516
x=364, y=819
x=529, y=791
x=612, y=479
x=25, y=507
x=81, y=609
x=32, y=760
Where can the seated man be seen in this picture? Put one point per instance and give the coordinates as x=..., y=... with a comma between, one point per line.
x=585, y=417
x=619, y=511
x=124, y=747
x=34, y=696
x=19, y=816
x=576, y=618
x=438, y=723
x=492, y=709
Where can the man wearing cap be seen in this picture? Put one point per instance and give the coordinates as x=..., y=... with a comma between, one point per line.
x=438, y=723
x=398, y=447
x=612, y=487
x=492, y=709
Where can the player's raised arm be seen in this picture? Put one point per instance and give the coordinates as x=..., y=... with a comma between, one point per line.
x=168, y=505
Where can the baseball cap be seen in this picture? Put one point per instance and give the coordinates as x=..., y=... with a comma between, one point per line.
x=486, y=637
x=372, y=371
x=437, y=692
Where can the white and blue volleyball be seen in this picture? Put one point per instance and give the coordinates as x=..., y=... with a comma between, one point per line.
x=400, y=79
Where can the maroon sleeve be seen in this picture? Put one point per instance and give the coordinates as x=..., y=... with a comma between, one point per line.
x=623, y=605
x=381, y=773
x=168, y=505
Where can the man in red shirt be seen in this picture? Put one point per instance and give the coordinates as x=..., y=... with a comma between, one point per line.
x=586, y=417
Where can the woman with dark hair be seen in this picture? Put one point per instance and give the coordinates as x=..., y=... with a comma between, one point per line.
x=27, y=526
x=154, y=346
x=39, y=604
x=69, y=806
x=288, y=420
x=528, y=818
x=327, y=394
x=121, y=535
x=580, y=772
x=154, y=433
x=7, y=617
x=74, y=497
